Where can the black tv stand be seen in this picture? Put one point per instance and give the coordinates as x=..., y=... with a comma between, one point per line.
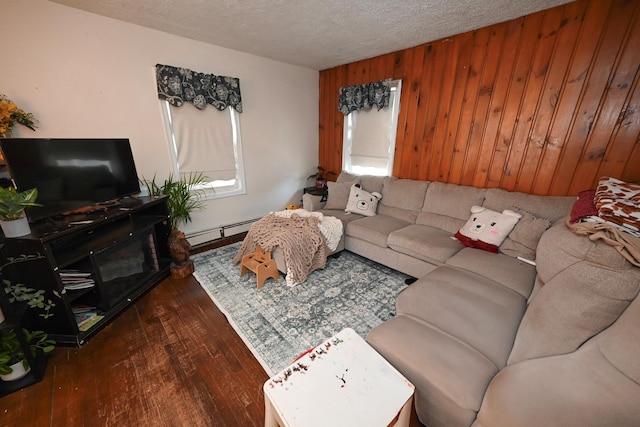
x=89, y=268
x=129, y=202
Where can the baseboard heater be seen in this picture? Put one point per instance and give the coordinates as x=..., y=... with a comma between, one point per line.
x=223, y=230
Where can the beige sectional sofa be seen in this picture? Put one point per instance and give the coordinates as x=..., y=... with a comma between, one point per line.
x=488, y=339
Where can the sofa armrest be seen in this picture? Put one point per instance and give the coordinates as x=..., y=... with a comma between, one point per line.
x=312, y=203
x=596, y=385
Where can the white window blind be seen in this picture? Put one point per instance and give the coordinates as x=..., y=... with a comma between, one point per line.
x=204, y=141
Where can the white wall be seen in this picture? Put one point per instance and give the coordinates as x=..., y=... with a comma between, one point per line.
x=84, y=75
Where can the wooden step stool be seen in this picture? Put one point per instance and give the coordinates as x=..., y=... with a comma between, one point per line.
x=261, y=264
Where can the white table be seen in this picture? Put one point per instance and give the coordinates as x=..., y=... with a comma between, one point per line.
x=342, y=382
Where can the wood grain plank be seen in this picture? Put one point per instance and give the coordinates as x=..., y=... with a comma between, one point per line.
x=453, y=146
x=442, y=85
x=622, y=99
x=567, y=129
x=481, y=138
x=523, y=155
x=545, y=153
x=495, y=152
x=439, y=166
x=462, y=163
x=419, y=78
x=595, y=120
x=407, y=114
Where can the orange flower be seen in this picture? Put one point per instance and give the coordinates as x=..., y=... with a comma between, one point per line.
x=10, y=114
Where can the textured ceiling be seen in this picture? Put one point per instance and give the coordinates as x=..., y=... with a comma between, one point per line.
x=317, y=34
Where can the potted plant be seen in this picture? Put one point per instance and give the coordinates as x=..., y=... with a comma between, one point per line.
x=321, y=177
x=13, y=361
x=12, y=205
x=184, y=198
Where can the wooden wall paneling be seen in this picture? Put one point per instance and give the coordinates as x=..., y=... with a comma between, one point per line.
x=567, y=129
x=323, y=134
x=496, y=148
x=625, y=162
x=466, y=161
x=525, y=151
x=622, y=99
x=421, y=74
x=631, y=171
x=440, y=91
x=333, y=162
x=562, y=92
x=544, y=104
x=407, y=116
x=598, y=83
x=443, y=81
x=546, y=151
x=521, y=101
x=483, y=123
x=513, y=105
x=453, y=146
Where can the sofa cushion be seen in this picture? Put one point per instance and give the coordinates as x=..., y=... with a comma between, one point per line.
x=509, y=272
x=474, y=309
x=447, y=206
x=523, y=239
x=551, y=207
x=402, y=198
x=343, y=216
x=374, y=229
x=450, y=377
x=423, y=242
x=586, y=285
x=362, y=202
x=338, y=194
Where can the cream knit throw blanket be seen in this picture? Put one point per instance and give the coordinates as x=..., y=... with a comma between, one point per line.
x=330, y=226
x=299, y=237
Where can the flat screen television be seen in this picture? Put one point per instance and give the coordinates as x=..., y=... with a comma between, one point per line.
x=70, y=173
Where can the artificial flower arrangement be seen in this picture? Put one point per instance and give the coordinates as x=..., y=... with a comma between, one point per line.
x=10, y=114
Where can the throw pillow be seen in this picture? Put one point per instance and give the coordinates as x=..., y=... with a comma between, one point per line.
x=362, y=202
x=584, y=206
x=487, y=229
x=523, y=239
x=338, y=194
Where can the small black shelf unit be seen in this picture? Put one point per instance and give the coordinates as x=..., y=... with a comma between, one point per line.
x=17, y=318
x=93, y=266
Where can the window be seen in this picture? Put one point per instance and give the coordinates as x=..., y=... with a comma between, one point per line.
x=207, y=141
x=370, y=137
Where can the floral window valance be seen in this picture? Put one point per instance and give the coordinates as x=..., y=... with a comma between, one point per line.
x=364, y=96
x=180, y=85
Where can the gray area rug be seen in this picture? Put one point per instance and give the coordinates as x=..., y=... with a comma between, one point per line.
x=278, y=323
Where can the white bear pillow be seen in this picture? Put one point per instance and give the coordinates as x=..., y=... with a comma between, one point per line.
x=487, y=229
x=362, y=202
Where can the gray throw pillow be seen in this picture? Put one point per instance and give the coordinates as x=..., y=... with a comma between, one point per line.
x=338, y=194
x=523, y=239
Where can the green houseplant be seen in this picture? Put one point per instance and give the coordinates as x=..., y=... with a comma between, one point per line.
x=12, y=205
x=13, y=361
x=321, y=176
x=184, y=195
x=184, y=198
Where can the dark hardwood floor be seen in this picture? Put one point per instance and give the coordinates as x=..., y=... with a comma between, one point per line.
x=171, y=359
